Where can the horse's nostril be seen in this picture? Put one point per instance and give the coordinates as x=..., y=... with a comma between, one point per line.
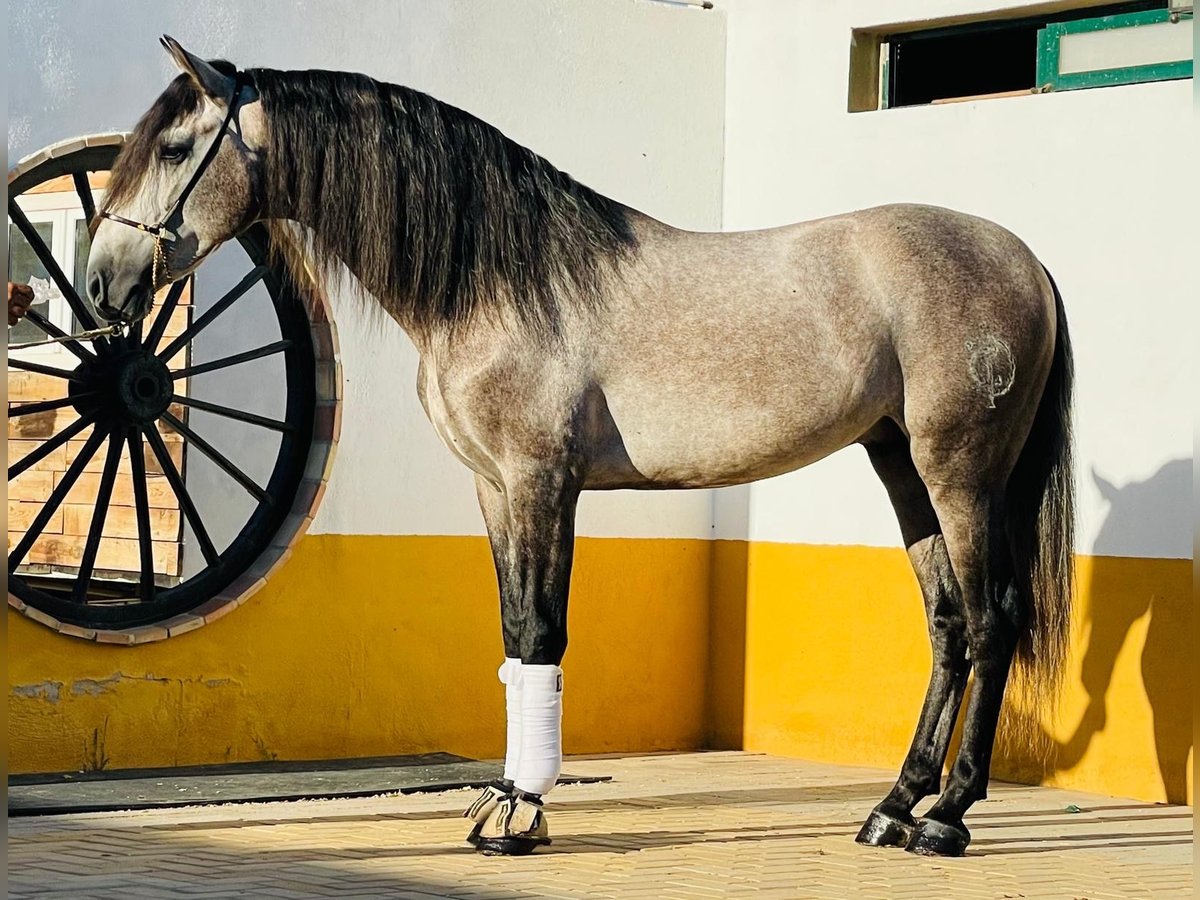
x=95, y=289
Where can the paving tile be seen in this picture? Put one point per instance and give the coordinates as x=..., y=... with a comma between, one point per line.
x=672, y=827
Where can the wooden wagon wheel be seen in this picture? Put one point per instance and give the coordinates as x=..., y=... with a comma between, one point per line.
x=124, y=415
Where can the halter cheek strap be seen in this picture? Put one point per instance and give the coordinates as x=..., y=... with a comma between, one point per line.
x=160, y=232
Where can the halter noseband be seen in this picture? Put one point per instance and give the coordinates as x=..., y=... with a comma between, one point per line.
x=160, y=232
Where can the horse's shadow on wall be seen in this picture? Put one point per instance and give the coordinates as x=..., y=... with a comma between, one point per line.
x=1114, y=596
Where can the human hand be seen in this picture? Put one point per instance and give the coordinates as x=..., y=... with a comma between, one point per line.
x=19, y=298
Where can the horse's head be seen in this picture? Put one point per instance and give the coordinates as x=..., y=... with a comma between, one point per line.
x=188, y=178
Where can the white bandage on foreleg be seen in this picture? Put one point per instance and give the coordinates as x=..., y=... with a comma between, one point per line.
x=510, y=676
x=541, y=728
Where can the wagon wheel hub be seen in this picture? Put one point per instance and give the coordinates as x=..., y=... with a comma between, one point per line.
x=131, y=386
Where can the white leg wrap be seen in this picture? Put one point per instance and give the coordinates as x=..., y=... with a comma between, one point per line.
x=541, y=728
x=510, y=676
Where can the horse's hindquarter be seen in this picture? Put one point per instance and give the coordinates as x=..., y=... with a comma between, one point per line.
x=732, y=357
x=727, y=358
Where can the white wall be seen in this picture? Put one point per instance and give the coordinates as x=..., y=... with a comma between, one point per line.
x=1087, y=178
x=626, y=95
x=734, y=118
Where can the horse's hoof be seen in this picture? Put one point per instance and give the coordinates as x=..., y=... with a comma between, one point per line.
x=883, y=830
x=482, y=807
x=516, y=827
x=509, y=846
x=934, y=838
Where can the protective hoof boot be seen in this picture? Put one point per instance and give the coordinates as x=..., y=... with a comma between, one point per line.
x=516, y=827
x=884, y=830
x=934, y=838
x=483, y=805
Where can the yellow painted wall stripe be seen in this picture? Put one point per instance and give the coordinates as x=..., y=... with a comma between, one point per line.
x=837, y=662
x=364, y=646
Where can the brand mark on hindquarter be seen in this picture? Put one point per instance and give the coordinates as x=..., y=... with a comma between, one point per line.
x=990, y=362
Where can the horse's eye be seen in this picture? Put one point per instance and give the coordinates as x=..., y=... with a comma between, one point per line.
x=173, y=153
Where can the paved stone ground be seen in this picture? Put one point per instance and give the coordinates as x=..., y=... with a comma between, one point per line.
x=696, y=825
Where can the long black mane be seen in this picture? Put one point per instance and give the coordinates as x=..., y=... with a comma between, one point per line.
x=436, y=212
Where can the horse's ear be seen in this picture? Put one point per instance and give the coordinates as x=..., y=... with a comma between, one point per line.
x=213, y=82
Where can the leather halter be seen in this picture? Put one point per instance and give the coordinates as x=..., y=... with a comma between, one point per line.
x=160, y=232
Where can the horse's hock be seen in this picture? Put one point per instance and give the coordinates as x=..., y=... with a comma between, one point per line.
x=155, y=481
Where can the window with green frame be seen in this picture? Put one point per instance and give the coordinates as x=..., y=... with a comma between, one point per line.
x=1125, y=43
x=1126, y=49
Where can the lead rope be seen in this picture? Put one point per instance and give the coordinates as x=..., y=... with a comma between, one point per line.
x=159, y=265
x=90, y=335
x=41, y=294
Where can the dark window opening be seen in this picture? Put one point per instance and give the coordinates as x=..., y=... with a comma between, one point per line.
x=964, y=65
x=980, y=59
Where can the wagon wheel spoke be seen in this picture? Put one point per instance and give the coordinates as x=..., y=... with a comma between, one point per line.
x=181, y=494
x=99, y=514
x=223, y=462
x=141, y=502
x=28, y=409
x=230, y=413
x=163, y=318
x=235, y=359
x=84, y=189
x=252, y=278
x=26, y=366
x=34, y=457
x=56, y=498
x=53, y=330
x=50, y=263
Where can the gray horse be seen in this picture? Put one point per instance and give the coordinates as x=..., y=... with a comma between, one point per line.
x=570, y=343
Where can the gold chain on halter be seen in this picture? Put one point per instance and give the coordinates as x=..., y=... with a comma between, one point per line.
x=159, y=263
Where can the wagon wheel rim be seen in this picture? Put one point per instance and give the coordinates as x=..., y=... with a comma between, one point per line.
x=127, y=391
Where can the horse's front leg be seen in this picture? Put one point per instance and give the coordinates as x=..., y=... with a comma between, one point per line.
x=531, y=525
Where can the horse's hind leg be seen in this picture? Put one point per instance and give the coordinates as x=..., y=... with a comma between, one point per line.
x=891, y=822
x=973, y=523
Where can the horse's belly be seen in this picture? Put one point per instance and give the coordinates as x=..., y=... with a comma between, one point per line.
x=701, y=438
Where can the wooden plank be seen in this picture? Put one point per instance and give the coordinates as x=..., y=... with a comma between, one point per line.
x=55, y=461
x=174, y=450
x=1024, y=92
x=180, y=357
x=179, y=321
x=86, y=488
x=26, y=387
x=116, y=554
x=65, y=184
x=39, y=426
x=121, y=522
x=21, y=516
x=32, y=485
x=179, y=411
x=185, y=298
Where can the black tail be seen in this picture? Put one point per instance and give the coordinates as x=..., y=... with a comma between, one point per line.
x=1041, y=526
